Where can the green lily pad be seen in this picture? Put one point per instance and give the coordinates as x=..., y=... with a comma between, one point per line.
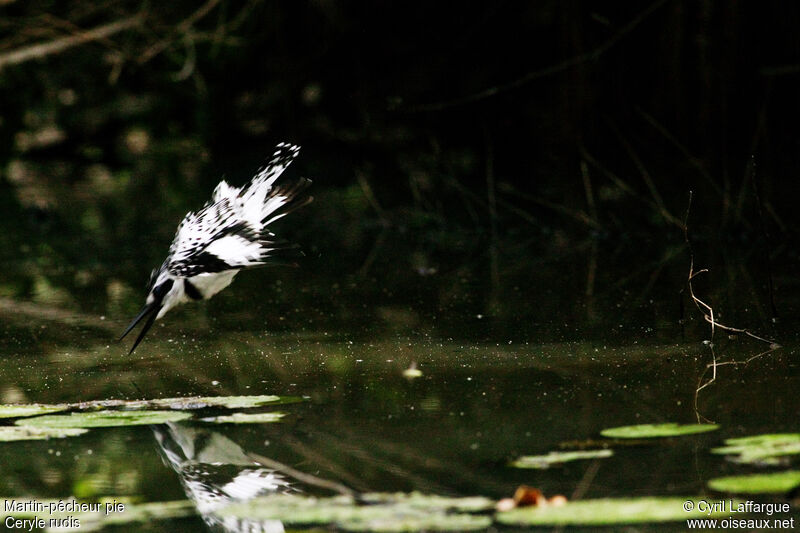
x=429, y=522
x=606, y=512
x=296, y=510
x=246, y=418
x=31, y=409
x=15, y=433
x=553, y=458
x=178, y=404
x=385, y=512
x=229, y=402
x=430, y=502
x=772, y=483
x=761, y=449
x=136, y=412
x=142, y=513
x=670, y=429
x=96, y=419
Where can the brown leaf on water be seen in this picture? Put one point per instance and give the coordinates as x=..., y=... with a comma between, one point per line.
x=526, y=496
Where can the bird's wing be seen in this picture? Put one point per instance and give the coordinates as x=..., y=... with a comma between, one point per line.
x=230, y=232
x=189, y=254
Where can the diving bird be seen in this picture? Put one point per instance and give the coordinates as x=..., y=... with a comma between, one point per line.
x=229, y=233
x=216, y=471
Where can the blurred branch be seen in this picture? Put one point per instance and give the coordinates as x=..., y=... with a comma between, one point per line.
x=575, y=214
x=180, y=30
x=779, y=70
x=579, y=59
x=647, y=178
x=369, y=195
x=694, y=161
x=38, y=51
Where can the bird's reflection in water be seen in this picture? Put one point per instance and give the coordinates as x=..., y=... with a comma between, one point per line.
x=215, y=472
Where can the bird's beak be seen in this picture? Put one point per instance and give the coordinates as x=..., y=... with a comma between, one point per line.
x=150, y=309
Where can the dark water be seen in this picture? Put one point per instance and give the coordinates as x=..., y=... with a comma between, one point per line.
x=526, y=343
x=484, y=397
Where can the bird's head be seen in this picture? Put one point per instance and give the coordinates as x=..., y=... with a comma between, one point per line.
x=157, y=288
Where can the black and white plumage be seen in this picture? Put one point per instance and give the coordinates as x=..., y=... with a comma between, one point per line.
x=229, y=233
x=215, y=472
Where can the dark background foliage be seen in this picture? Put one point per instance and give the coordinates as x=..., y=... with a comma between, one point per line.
x=465, y=138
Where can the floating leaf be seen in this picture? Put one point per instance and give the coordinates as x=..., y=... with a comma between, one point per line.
x=526, y=496
x=104, y=419
x=143, y=513
x=430, y=502
x=762, y=449
x=229, y=402
x=554, y=458
x=15, y=433
x=297, y=510
x=385, y=512
x=670, y=429
x=31, y=409
x=426, y=522
x=773, y=483
x=608, y=511
x=246, y=418
x=178, y=404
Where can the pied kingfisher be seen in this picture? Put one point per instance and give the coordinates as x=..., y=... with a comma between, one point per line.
x=228, y=234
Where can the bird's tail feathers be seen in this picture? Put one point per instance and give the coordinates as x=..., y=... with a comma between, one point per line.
x=280, y=250
x=284, y=199
x=283, y=156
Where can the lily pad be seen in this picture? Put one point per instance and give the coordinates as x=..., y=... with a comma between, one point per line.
x=142, y=513
x=98, y=419
x=228, y=402
x=430, y=502
x=178, y=404
x=427, y=522
x=772, y=483
x=246, y=418
x=553, y=458
x=31, y=409
x=385, y=512
x=607, y=511
x=670, y=429
x=15, y=433
x=761, y=449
